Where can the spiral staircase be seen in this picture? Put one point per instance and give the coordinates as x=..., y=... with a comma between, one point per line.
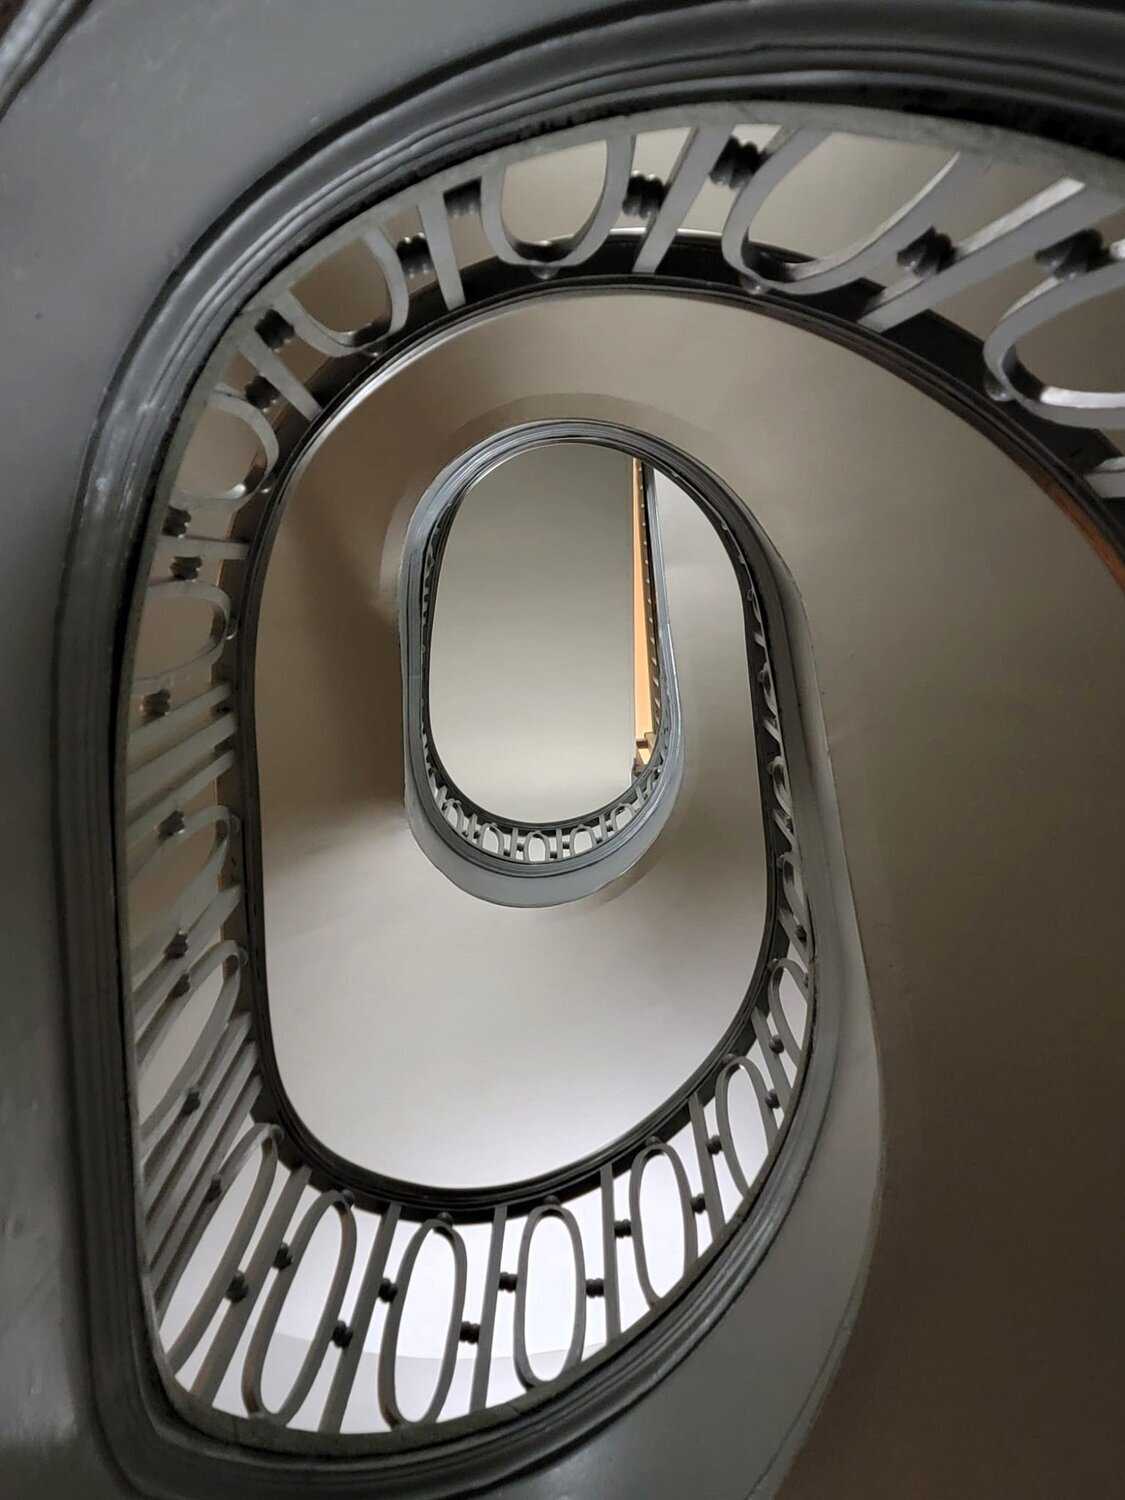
x=753, y=1130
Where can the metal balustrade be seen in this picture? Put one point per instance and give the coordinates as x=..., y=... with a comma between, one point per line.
x=201, y=1139
x=217, y=1131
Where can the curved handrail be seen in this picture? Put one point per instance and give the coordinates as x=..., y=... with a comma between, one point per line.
x=187, y=1168
x=212, y=1144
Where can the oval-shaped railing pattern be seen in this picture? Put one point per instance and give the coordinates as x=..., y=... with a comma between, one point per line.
x=229, y=1204
x=201, y=1139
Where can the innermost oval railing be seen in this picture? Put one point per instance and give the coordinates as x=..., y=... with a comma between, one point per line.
x=519, y=863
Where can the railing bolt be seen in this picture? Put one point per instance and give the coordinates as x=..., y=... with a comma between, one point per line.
x=698, y=1203
x=191, y=1102
x=930, y=252
x=341, y=1334
x=387, y=1290
x=772, y=1100
x=622, y=1229
x=176, y=521
x=214, y=1190
x=178, y=946
x=414, y=253
x=508, y=1281
x=737, y=163
x=284, y=1257
x=1071, y=257
x=260, y=394
x=776, y=1044
x=274, y=331
x=156, y=705
x=714, y=1145
x=469, y=1333
x=181, y=987
x=444, y=1218
x=187, y=569
x=345, y=1199
x=595, y=1287
x=643, y=196
x=238, y=1287
x=174, y=823
x=463, y=200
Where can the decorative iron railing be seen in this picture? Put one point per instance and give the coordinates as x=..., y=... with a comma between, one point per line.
x=207, y=1135
x=220, y=1131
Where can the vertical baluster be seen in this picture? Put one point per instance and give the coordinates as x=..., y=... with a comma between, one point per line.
x=778, y=1076
x=553, y=1210
x=609, y=1258
x=180, y=1167
x=245, y=1290
x=483, y=1365
x=711, y=1197
x=264, y=1137
x=388, y=1350
x=434, y=213
x=698, y=155
x=687, y=1213
x=257, y=1352
x=340, y=1391
x=722, y=1111
x=163, y=1251
x=273, y=368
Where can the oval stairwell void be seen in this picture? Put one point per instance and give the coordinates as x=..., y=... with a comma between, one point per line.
x=583, y=773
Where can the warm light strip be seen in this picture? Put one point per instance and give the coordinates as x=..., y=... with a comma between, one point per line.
x=644, y=715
